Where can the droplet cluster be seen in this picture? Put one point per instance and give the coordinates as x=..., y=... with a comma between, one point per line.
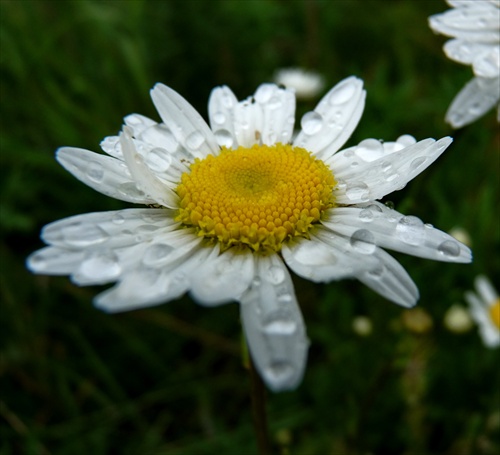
x=260, y=196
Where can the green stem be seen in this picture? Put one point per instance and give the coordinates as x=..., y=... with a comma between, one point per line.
x=258, y=394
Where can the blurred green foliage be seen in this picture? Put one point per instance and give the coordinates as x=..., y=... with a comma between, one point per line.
x=169, y=380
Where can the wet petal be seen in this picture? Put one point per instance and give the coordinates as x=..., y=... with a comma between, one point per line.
x=476, y=98
x=366, y=180
x=390, y=229
x=223, y=279
x=274, y=327
x=332, y=122
x=186, y=124
x=103, y=173
x=221, y=114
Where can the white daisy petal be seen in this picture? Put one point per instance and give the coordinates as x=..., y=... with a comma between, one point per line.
x=278, y=113
x=390, y=229
x=390, y=280
x=186, y=124
x=221, y=114
x=273, y=326
x=223, y=279
x=54, y=261
x=334, y=119
x=103, y=173
x=248, y=123
x=328, y=257
x=369, y=180
x=112, y=229
x=146, y=180
x=465, y=51
x=147, y=286
x=487, y=64
x=485, y=289
x=476, y=98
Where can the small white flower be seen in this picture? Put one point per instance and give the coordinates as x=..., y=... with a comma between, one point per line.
x=475, y=27
x=306, y=84
x=457, y=319
x=236, y=202
x=485, y=310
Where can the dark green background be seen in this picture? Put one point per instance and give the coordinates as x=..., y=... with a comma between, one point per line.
x=169, y=380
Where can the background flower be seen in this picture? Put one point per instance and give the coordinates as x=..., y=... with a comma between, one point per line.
x=475, y=27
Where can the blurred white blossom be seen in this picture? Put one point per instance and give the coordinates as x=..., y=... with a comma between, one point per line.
x=306, y=84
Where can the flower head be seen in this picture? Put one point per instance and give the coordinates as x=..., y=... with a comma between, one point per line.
x=235, y=202
x=475, y=27
x=484, y=307
x=306, y=84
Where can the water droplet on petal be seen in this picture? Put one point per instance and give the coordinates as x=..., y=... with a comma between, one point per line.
x=342, y=94
x=358, y=192
x=78, y=235
x=311, y=122
x=275, y=275
x=156, y=253
x=101, y=266
x=377, y=272
x=417, y=162
x=279, y=370
x=195, y=140
x=130, y=189
x=219, y=118
x=279, y=322
x=411, y=230
x=158, y=159
x=449, y=248
x=95, y=171
x=369, y=150
x=118, y=218
x=264, y=93
x=363, y=241
x=224, y=138
x=366, y=215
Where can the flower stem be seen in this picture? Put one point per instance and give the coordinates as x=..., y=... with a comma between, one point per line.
x=258, y=394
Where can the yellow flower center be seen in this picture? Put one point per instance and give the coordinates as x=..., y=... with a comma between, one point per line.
x=258, y=197
x=495, y=313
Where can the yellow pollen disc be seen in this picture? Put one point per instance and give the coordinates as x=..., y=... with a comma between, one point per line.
x=259, y=197
x=495, y=313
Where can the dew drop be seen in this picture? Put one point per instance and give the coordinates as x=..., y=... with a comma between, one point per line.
x=79, y=235
x=363, y=241
x=102, y=267
x=95, y=171
x=195, y=140
x=411, y=230
x=377, y=272
x=417, y=162
x=158, y=159
x=449, y=248
x=118, y=218
x=366, y=215
x=275, y=275
x=156, y=253
x=219, y=118
x=342, y=94
x=224, y=138
x=279, y=370
x=358, y=192
x=130, y=189
x=264, y=93
x=279, y=323
x=369, y=150
x=311, y=122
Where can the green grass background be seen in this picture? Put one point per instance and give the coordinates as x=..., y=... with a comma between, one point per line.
x=170, y=380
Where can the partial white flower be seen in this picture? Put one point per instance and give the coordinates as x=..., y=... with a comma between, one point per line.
x=236, y=201
x=307, y=84
x=484, y=305
x=475, y=27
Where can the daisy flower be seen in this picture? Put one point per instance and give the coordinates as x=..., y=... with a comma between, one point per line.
x=484, y=307
x=475, y=27
x=307, y=84
x=231, y=204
